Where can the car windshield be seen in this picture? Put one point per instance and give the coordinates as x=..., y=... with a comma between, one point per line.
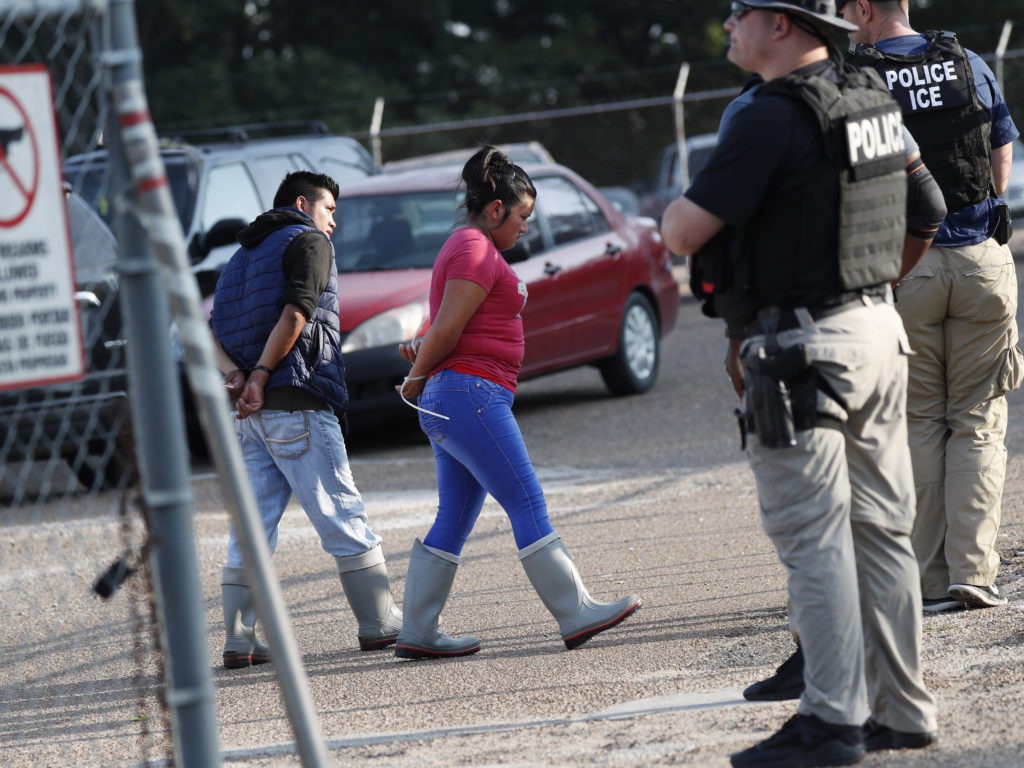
x=401, y=231
x=94, y=246
x=90, y=178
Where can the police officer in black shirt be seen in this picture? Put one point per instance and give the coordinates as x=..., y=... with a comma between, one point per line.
x=808, y=183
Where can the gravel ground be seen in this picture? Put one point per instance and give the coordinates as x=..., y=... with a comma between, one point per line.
x=662, y=689
x=669, y=513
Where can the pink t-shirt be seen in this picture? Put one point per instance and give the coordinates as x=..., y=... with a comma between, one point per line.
x=491, y=344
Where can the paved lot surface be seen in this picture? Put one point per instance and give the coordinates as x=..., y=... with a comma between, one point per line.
x=650, y=494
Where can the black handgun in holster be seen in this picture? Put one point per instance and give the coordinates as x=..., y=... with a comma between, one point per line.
x=1004, y=224
x=781, y=389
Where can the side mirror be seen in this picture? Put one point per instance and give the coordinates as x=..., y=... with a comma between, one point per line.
x=210, y=252
x=517, y=253
x=207, y=282
x=224, y=232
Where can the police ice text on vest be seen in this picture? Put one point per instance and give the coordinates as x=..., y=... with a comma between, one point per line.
x=922, y=82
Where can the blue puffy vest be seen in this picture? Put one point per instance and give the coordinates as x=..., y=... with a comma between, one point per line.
x=248, y=306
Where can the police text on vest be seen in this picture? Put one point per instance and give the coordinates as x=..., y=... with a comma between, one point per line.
x=875, y=137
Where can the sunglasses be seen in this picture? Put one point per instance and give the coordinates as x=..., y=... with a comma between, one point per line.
x=739, y=10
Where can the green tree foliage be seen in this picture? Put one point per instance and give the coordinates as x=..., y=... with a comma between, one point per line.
x=216, y=62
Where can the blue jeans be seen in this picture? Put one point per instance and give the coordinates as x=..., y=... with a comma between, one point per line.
x=303, y=453
x=479, y=450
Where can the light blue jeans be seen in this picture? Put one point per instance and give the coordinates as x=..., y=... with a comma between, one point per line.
x=303, y=453
x=479, y=450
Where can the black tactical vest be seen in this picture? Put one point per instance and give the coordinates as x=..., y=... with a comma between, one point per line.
x=936, y=91
x=863, y=133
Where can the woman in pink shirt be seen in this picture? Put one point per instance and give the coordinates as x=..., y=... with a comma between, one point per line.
x=464, y=373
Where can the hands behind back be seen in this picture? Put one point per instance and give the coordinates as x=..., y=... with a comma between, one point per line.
x=410, y=387
x=234, y=383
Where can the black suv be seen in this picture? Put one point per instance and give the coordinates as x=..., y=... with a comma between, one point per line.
x=222, y=179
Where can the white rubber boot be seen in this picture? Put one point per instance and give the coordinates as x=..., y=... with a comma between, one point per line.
x=242, y=648
x=364, y=579
x=430, y=578
x=554, y=576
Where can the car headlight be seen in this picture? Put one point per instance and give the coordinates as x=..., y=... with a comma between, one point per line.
x=392, y=327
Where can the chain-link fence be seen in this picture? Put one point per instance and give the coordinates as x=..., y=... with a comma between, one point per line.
x=68, y=486
x=95, y=481
x=76, y=669
x=616, y=144
x=623, y=143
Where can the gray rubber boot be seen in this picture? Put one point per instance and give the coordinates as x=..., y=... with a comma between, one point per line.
x=242, y=647
x=430, y=577
x=364, y=579
x=559, y=585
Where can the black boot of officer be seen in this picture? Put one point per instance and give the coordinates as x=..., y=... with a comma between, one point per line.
x=787, y=682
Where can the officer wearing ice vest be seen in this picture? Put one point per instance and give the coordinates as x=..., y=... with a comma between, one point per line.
x=809, y=181
x=959, y=304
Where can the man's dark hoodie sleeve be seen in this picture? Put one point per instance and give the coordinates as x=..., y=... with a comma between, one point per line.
x=307, y=267
x=306, y=261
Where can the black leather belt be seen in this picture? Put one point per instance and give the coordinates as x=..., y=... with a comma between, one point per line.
x=293, y=399
x=787, y=318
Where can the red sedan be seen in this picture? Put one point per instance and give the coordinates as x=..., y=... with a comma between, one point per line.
x=601, y=289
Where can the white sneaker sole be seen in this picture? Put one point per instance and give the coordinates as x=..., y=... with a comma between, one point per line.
x=976, y=597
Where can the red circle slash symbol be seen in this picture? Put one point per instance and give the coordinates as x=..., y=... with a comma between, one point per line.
x=18, y=184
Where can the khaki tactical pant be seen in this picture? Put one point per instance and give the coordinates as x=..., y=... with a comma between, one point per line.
x=839, y=508
x=959, y=308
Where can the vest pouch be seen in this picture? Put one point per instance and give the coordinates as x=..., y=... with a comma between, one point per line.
x=711, y=271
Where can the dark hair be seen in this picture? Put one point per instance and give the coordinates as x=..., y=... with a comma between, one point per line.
x=304, y=184
x=490, y=175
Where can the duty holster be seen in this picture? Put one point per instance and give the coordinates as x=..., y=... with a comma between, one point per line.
x=1004, y=224
x=782, y=395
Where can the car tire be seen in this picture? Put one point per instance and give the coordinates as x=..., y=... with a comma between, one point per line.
x=97, y=472
x=633, y=369
x=109, y=461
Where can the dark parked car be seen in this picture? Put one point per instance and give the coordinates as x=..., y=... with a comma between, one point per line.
x=601, y=289
x=669, y=179
x=87, y=422
x=519, y=153
x=223, y=179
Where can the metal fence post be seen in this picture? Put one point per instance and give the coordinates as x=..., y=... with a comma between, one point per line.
x=375, y=123
x=678, y=97
x=157, y=408
x=156, y=207
x=1004, y=40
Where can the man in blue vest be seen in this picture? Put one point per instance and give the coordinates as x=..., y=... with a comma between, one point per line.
x=275, y=317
